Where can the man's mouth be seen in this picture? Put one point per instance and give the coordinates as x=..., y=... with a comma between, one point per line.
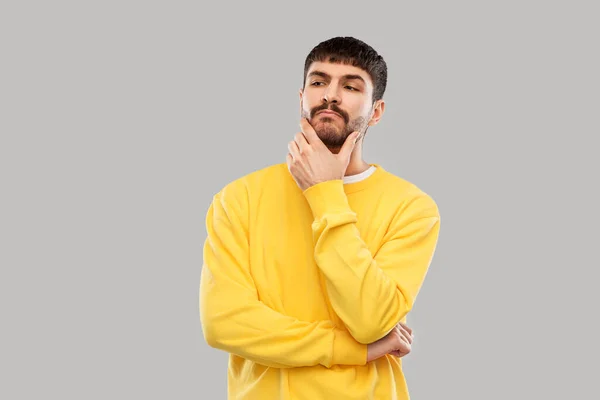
x=329, y=113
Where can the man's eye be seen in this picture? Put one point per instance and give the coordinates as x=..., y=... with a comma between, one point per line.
x=350, y=87
x=315, y=83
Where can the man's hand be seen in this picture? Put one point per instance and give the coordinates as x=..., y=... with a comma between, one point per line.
x=311, y=162
x=398, y=343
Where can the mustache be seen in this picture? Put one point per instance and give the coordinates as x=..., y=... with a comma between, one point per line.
x=331, y=107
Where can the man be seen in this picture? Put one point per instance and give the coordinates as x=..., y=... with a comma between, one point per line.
x=311, y=266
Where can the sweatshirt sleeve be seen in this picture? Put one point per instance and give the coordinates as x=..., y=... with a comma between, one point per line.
x=236, y=321
x=371, y=293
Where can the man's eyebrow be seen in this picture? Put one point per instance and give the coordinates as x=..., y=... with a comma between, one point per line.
x=327, y=76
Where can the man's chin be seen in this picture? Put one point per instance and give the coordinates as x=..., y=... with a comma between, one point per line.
x=327, y=128
x=330, y=139
x=325, y=134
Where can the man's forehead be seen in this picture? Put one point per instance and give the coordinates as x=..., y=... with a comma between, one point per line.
x=339, y=70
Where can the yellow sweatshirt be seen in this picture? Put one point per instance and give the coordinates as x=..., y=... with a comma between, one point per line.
x=294, y=284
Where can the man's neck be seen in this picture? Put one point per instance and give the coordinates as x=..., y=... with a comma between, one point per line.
x=357, y=164
x=357, y=167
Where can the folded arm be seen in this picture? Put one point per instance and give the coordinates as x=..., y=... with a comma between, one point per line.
x=236, y=321
x=371, y=293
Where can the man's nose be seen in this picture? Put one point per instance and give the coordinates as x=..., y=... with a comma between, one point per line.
x=331, y=96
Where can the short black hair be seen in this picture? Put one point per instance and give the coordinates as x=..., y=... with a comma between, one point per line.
x=351, y=51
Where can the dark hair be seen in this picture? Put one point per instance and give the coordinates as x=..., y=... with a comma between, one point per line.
x=351, y=51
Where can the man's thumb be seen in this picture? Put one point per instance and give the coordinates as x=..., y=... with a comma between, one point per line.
x=349, y=144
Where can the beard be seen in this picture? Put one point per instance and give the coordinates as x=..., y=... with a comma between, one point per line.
x=328, y=127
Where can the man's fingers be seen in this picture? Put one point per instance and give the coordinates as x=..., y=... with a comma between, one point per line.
x=407, y=337
x=302, y=143
x=403, y=333
x=309, y=132
x=348, y=146
x=406, y=327
x=403, y=347
x=293, y=149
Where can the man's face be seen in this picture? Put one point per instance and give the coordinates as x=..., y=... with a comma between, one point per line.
x=344, y=89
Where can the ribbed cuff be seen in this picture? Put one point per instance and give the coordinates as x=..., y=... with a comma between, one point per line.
x=327, y=197
x=346, y=350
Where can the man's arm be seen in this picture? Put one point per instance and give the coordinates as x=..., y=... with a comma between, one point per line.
x=371, y=294
x=236, y=321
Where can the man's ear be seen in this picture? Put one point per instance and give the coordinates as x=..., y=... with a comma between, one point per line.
x=300, y=93
x=378, y=110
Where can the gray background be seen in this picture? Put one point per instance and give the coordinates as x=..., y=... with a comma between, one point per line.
x=121, y=119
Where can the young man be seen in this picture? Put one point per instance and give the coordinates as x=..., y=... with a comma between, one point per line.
x=311, y=266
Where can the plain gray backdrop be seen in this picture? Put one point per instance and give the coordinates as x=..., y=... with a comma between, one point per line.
x=120, y=120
